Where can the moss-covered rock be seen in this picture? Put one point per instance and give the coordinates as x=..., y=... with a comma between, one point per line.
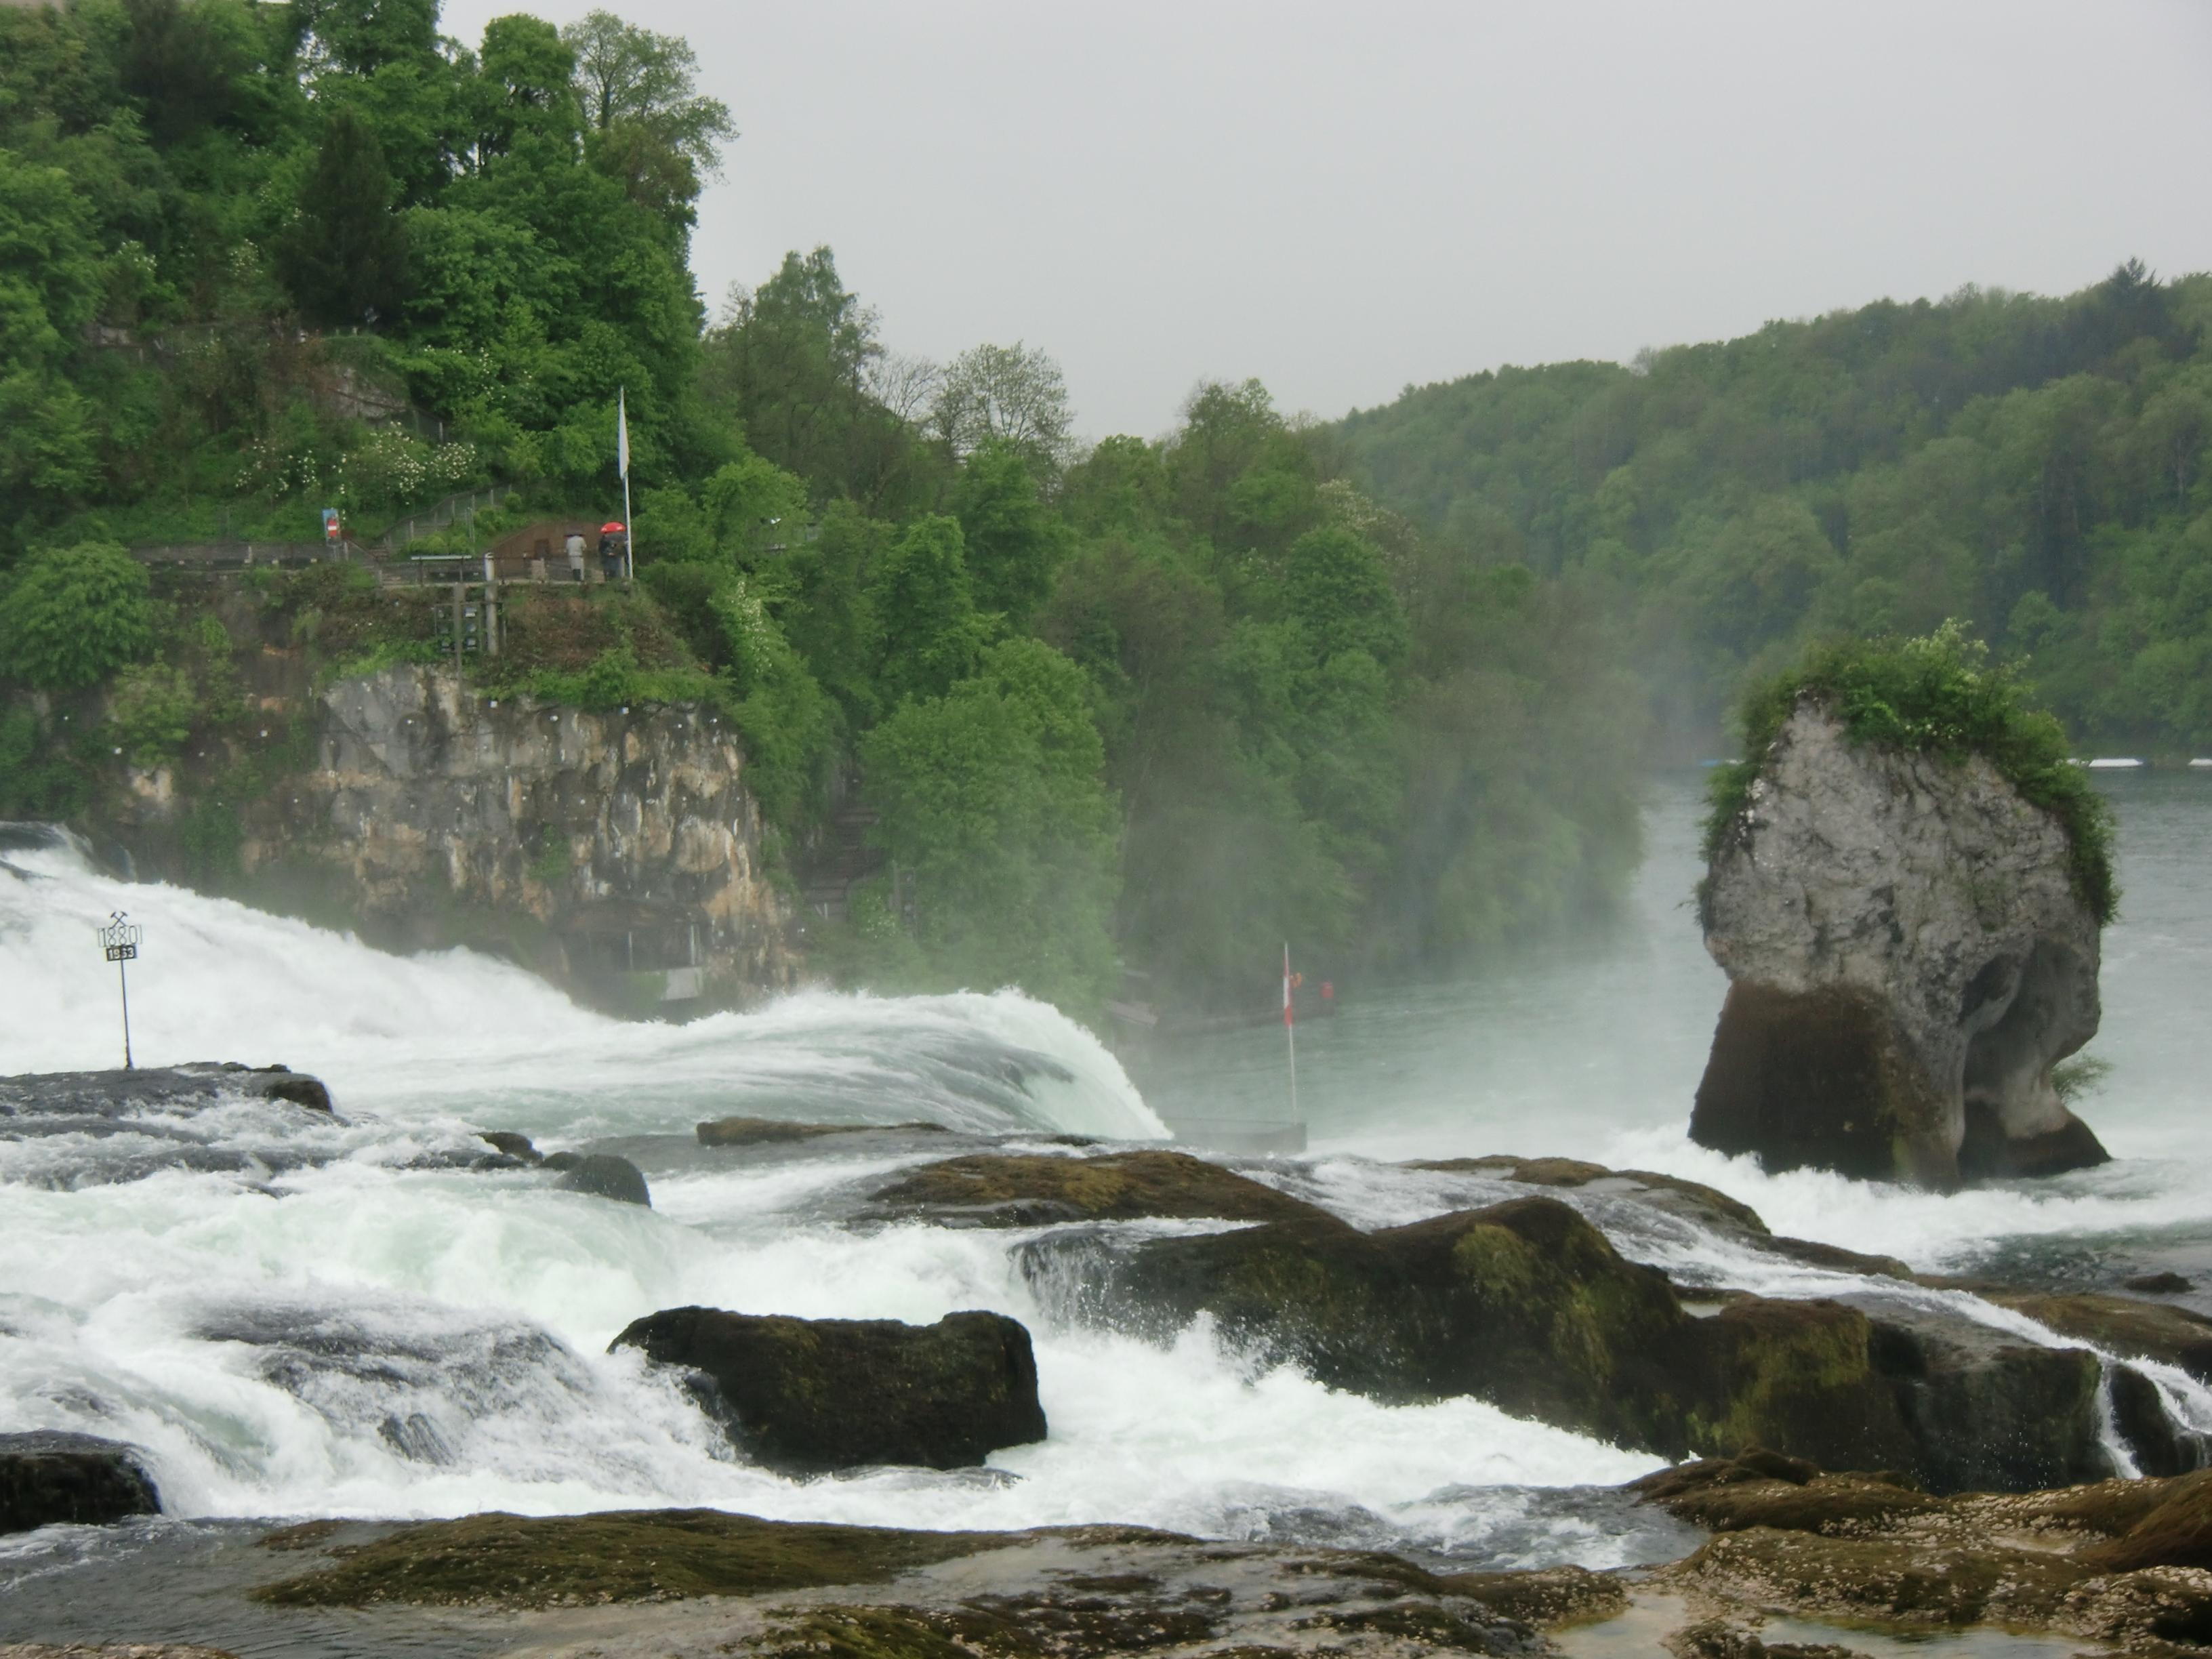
x=1527, y=1305
x=1763, y=1489
x=808, y=1395
x=516, y=1561
x=2123, y=1326
x=989, y=1189
x=1692, y=1198
x=2127, y=1562
x=780, y=1132
x=2177, y=1532
x=1551, y=1598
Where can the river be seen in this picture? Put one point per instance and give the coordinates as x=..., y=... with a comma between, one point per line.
x=299, y=1319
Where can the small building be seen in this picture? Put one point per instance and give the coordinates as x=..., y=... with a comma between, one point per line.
x=539, y=552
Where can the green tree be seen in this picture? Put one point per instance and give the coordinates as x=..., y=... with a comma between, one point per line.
x=928, y=632
x=344, y=255
x=1012, y=395
x=75, y=615
x=648, y=123
x=1013, y=543
x=992, y=797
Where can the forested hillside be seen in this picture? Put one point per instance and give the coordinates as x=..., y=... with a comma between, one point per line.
x=1154, y=706
x=2041, y=468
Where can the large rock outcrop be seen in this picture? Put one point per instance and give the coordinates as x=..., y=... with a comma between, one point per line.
x=811, y=1395
x=1526, y=1304
x=1907, y=956
x=618, y=852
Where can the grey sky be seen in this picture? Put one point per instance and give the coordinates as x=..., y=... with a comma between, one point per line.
x=1343, y=198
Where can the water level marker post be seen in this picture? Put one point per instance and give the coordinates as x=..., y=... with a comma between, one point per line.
x=1290, y=1031
x=119, y=938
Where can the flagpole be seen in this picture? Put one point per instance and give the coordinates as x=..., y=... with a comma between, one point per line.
x=621, y=454
x=1290, y=1031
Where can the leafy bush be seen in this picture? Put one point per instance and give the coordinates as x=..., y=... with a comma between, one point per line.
x=1937, y=694
x=152, y=713
x=75, y=615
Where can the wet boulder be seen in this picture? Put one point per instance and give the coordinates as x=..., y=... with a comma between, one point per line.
x=1523, y=1304
x=1908, y=955
x=2122, y=1325
x=39, y=1100
x=988, y=1189
x=601, y=1175
x=47, y=1476
x=1527, y=1305
x=808, y=1397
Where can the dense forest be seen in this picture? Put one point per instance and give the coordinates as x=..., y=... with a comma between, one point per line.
x=1381, y=688
x=2040, y=468
x=1146, y=707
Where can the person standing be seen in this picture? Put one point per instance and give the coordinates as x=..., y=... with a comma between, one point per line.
x=576, y=555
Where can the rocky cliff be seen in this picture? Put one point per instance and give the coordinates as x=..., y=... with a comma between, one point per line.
x=618, y=854
x=1908, y=954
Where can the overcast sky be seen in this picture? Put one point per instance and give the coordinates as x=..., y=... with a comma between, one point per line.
x=1344, y=198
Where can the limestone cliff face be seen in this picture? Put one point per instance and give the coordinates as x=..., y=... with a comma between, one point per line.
x=602, y=850
x=1907, y=957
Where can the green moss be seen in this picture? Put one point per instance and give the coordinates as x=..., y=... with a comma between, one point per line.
x=565, y=1560
x=860, y=1633
x=1937, y=694
x=1792, y=1364
x=1119, y=1187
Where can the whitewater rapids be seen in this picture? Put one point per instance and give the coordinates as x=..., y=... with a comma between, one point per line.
x=311, y=1320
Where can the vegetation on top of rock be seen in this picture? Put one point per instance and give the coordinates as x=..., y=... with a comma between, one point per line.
x=1937, y=694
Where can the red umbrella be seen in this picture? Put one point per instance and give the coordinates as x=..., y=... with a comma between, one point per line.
x=605, y=528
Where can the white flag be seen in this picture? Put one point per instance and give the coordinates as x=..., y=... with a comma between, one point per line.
x=622, y=434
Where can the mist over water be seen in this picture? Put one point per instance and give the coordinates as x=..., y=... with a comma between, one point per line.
x=299, y=1317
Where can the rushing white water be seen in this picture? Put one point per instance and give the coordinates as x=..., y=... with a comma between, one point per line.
x=301, y=1317
x=405, y=1037
x=325, y=1330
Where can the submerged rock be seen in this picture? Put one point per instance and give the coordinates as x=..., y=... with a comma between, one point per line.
x=47, y=1476
x=810, y=1396
x=509, y=1144
x=1908, y=956
x=600, y=1175
x=988, y=1189
x=36, y=1098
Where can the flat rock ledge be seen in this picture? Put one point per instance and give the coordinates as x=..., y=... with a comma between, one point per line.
x=700, y=1583
x=1907, y=957
x=2120, y=1562
x=2124, y=1561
